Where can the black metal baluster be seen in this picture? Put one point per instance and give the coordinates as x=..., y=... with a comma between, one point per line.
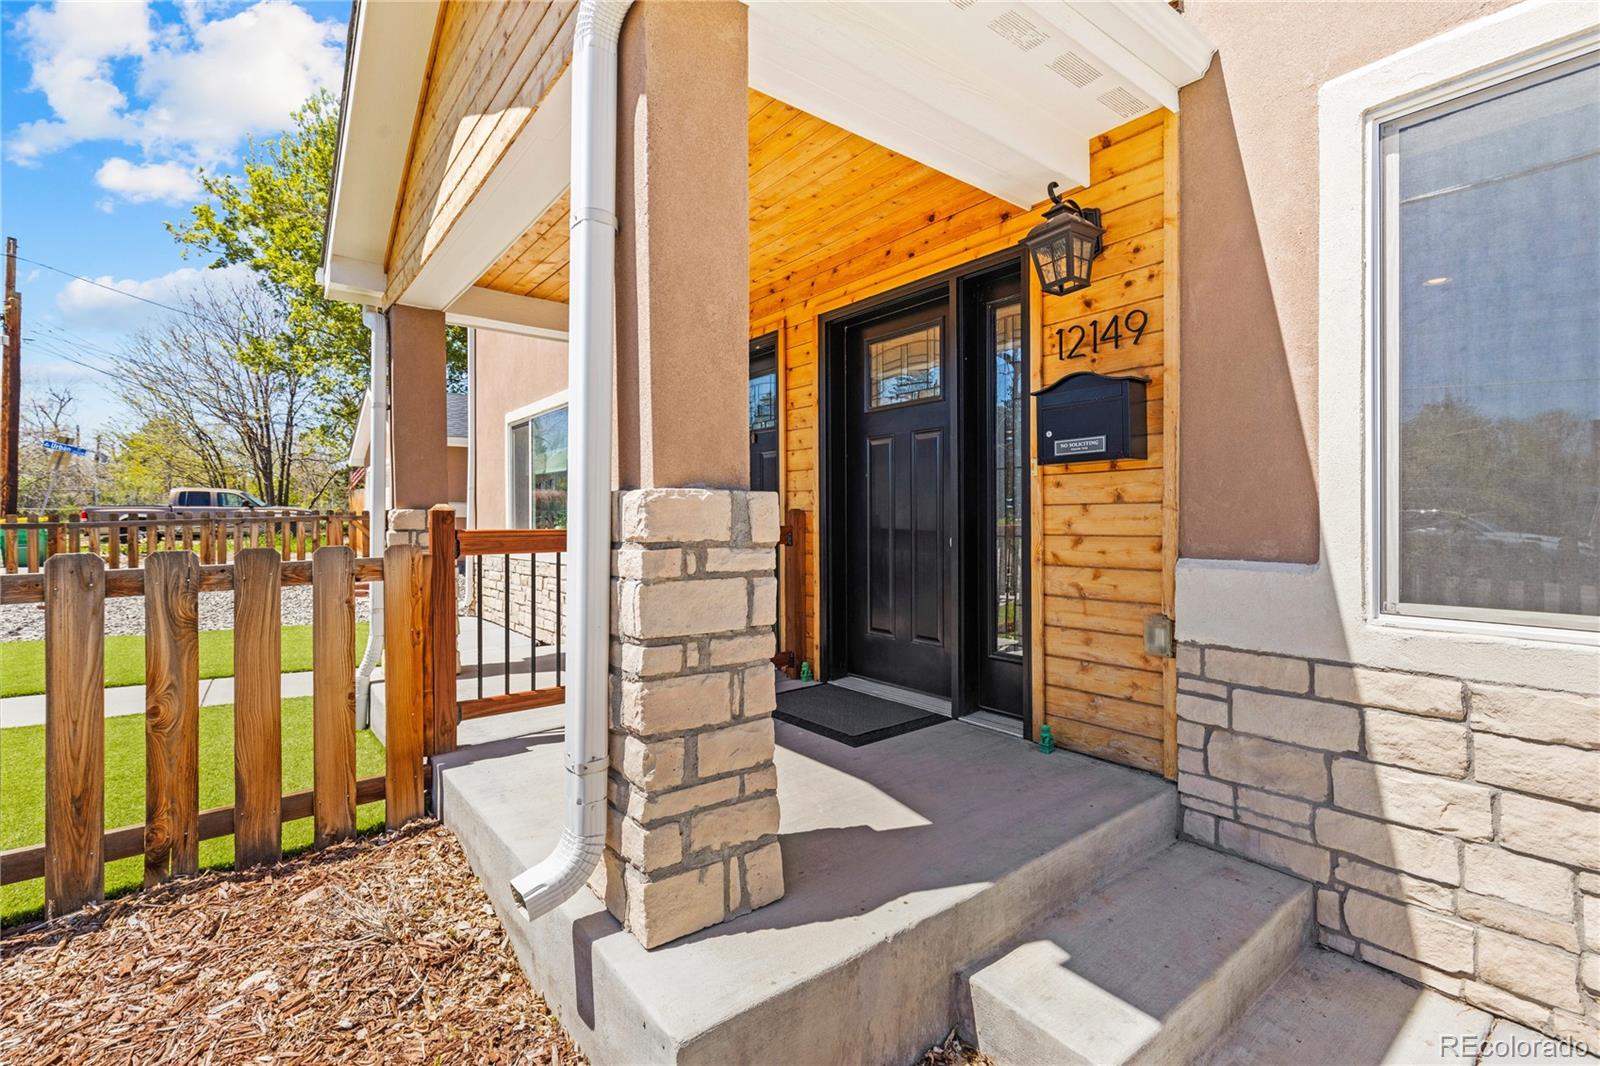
x=505, y=563
x=533, y=619
x=559, y=619
x=478, y=603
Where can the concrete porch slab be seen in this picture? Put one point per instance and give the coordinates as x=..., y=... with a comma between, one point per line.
x=905, y=861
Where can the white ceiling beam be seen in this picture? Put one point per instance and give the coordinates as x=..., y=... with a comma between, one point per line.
x=483, y=308
x=531, y=175
x=1004, y=95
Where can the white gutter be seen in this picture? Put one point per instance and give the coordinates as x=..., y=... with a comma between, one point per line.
x=544, y=887
x=377, y=505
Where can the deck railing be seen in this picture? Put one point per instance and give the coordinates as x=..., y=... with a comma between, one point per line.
x=28, y=540
x=545, y=550
x=74, y=587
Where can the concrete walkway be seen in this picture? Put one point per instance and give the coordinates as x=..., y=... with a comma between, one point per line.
x=129, y=699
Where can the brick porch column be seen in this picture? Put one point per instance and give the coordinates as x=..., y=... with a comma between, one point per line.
x=694, y=810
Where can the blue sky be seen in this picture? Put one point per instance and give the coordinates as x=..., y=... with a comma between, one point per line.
x=107, y=111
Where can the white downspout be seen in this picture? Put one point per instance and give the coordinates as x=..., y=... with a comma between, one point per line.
x=472, y=428
x=544, y=887
x=377, y=506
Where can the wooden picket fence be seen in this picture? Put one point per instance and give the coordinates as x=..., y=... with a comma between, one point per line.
x=74, y=587
x=28, y=541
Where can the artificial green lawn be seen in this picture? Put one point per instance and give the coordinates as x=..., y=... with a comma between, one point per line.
x=22, y=661
x=22, y=790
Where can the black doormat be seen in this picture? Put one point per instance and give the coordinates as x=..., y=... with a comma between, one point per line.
x=850, y=717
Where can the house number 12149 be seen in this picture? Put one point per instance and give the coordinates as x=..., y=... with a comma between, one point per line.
x=1111, y=334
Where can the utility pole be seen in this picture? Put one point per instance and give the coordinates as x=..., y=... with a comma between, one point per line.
x=10, y=386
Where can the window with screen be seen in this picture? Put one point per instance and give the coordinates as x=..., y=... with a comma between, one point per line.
x=1489, y=232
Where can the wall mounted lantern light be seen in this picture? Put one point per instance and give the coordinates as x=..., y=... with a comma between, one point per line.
x=1065, y=244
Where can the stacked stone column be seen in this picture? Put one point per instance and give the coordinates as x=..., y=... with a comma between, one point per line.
x=692, y=837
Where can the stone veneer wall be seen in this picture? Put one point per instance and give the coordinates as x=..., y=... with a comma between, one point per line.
x=1452, y=827
x=693, y=833
x=534, y=606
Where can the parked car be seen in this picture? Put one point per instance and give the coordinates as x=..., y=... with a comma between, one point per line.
x=189, y=500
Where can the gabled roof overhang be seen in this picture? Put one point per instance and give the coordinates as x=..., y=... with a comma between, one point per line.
x=385, y=70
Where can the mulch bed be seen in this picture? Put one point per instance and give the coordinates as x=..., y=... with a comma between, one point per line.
x=383, y=950
x=953, y=1052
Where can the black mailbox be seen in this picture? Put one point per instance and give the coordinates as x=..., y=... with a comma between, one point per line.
x=1088, y=417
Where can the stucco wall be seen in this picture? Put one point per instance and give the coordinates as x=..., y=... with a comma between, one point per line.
x=511, y=372
x=1248, y=222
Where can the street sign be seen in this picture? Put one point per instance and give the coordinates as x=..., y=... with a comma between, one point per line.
x=63, y=446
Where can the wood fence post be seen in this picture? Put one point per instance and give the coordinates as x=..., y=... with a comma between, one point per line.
x=74, y=732
x=171, y=716
x=333, y=725
x=440, y=729
x=405, y=587
x=257, y=706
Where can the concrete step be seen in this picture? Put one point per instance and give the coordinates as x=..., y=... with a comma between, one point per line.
x=906, y=862
x=1328, y=1008
x=1151, y=968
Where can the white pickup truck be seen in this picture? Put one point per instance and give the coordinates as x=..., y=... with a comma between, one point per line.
x=189, y=500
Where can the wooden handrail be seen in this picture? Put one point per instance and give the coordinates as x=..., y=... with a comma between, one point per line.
x=509, y=541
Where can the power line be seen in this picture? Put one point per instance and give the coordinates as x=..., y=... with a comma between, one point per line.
x=129, y=295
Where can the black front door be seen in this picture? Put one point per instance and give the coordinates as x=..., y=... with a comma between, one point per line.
x=764, y=414
x=900, y=498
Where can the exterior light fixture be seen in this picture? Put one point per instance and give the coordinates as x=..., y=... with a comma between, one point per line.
x=1065, y=244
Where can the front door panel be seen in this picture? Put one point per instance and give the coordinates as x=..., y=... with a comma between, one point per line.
x=899, y=520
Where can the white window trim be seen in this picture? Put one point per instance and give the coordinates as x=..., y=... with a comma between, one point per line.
x=1382, y=425
x=1329, y=610
x=522, y=414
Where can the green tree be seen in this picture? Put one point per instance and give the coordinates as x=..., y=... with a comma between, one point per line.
x=271, y=218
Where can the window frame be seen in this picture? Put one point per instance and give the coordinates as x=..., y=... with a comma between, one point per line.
x=514, y=418
x=1384, y=342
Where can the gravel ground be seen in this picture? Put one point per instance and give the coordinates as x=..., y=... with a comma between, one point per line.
x=383, y=950
x=125, y=614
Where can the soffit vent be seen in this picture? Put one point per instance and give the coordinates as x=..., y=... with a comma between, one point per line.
x=1019, y=31
x=1121, y=102
x=1074, y=68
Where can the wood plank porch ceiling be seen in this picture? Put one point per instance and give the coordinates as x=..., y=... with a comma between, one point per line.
x=814, y=189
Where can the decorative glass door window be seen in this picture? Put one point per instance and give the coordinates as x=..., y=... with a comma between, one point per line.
x=539, y=471
x=1009, y=393
x=904, y=367
x=1490, y=310
x=764, y=401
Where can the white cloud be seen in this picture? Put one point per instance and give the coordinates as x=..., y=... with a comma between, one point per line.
x=104, y=303
x=140, y=183
x=70, y=48
x=234, y=77
x=202, y=85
